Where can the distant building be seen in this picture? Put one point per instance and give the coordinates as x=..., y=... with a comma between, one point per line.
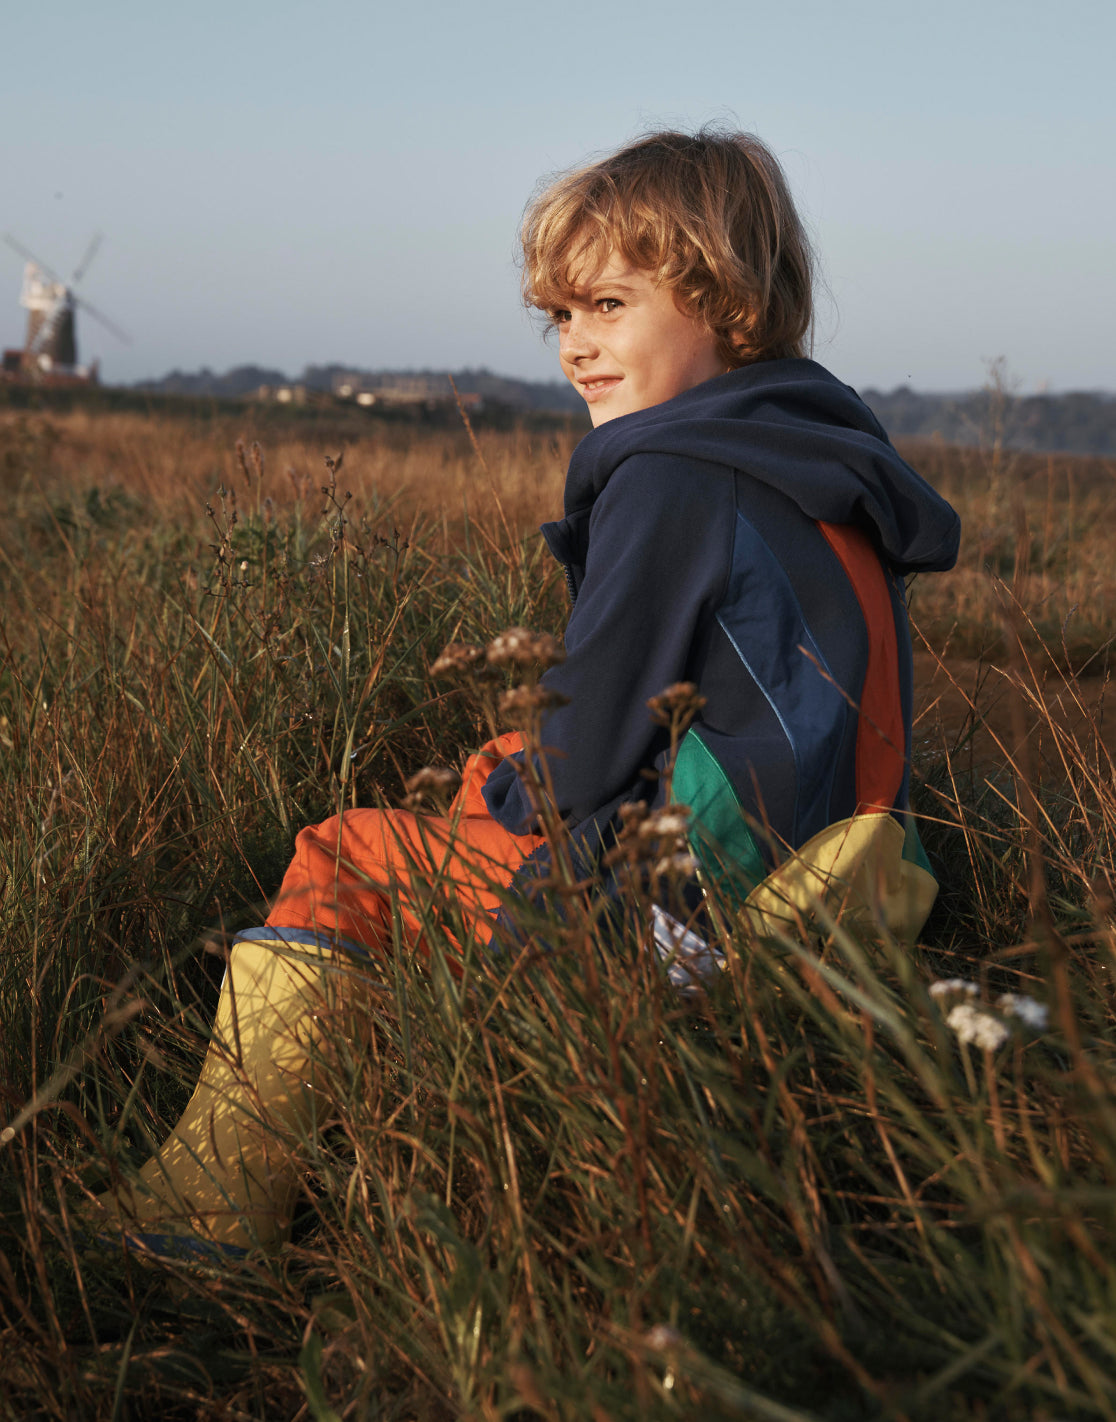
x=286, y=395
x=415, y=392
x=29, y=367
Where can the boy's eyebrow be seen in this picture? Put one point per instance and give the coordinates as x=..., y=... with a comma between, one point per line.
x=611, y=283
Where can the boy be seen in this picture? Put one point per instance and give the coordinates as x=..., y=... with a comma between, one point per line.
x=737, y=520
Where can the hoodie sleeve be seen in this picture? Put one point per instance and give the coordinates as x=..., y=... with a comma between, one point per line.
x=658, y=556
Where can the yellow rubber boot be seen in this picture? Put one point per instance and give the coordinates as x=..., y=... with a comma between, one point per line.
x=228, y=1172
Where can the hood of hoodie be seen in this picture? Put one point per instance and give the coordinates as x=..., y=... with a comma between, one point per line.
x=794, y=426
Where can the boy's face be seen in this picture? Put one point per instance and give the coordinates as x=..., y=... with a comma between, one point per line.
x=625, y=345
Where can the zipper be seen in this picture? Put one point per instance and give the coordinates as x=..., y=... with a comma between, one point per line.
x=570, y=583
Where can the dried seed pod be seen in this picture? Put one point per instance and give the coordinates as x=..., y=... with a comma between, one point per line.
x=677, y=705
x=655, y=837
x=432, y=783
x=522, y=704
x=456, y=658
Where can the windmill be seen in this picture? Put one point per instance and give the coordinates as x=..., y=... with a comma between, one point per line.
x=50, y=348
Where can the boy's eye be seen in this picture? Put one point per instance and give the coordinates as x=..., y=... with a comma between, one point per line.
x=609, y=303
x=559, y=316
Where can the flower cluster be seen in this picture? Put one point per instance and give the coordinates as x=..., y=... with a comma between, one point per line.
x=977, y=1027
x=986, y=1025
x=518, y=646
x=432, y=783
x=456, y=658
x=680, y=863
x=1035, y=1015
x=661, y=1337
x=671, y=822
x=677, y=705
x=515, y=646
x=655, y=837
x=521, y=705
x=953, y=987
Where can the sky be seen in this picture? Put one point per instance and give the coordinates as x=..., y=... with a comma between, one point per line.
x=284, y=183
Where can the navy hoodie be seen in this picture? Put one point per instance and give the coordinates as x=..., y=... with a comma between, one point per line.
x=749, y=536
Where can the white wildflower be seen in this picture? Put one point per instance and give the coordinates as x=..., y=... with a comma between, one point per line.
x=519, y=646
x=664, y=824
x=661, y=1337
x=1033, y=1014
x=511, y=645
x=951, y=987
x=977, y=1026
x=676, y=864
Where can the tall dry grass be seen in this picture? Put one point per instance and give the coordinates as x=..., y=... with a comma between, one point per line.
x=1039, y=526
x=551, y=1186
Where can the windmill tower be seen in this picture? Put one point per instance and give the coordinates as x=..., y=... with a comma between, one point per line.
x=50, y=349
x=50, y=317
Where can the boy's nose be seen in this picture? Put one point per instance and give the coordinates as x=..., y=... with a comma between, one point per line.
x=575, y=340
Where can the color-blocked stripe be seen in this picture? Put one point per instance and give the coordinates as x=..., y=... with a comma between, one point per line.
x=300, y=937
x=719, y=833
x=906, y=678
x=881, y=743
x=761, y=612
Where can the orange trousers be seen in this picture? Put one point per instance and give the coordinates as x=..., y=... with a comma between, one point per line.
x=349, y=872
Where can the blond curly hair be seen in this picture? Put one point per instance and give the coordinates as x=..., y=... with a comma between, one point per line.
x=709, y=213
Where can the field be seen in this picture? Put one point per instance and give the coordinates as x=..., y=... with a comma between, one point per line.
x=550, y=1188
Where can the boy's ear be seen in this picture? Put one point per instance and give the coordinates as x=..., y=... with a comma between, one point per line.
x=738, y=341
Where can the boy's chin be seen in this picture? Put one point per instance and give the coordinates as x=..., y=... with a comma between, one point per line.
x=601, y=411
x=600, y=414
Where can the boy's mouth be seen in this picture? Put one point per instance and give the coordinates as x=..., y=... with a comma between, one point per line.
x=599, y=385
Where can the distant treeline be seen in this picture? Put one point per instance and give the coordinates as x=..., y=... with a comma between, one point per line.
x=1079, y=422
x=245, y=380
